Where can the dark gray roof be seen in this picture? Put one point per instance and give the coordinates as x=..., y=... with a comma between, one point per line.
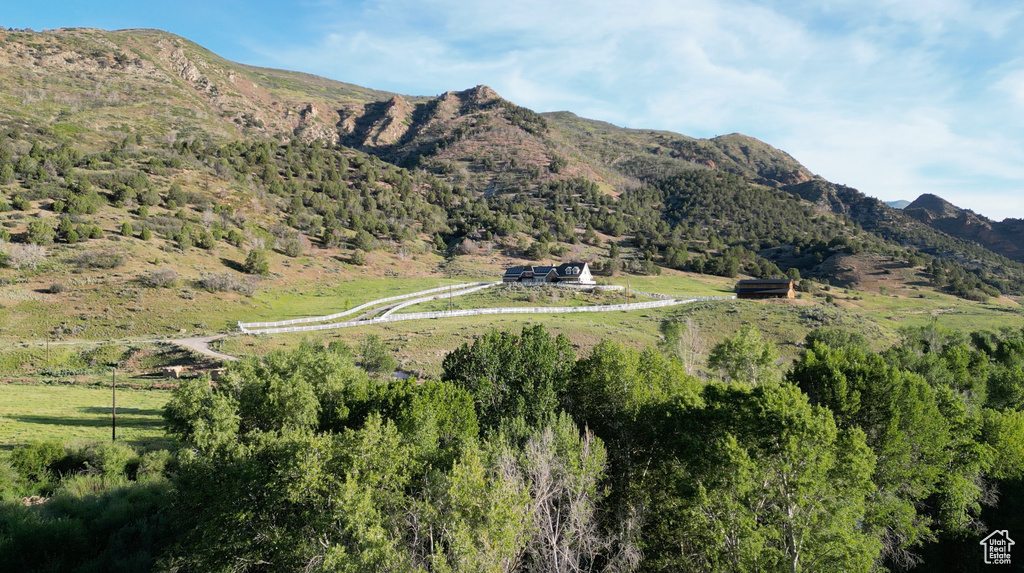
x=570, y=269
x=752, y=282
x=516, y=271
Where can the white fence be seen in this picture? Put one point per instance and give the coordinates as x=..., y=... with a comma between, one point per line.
x=435, y=297
x=246, y=325
x=482, y=311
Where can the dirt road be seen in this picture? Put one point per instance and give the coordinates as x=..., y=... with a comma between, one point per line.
x=201, y=344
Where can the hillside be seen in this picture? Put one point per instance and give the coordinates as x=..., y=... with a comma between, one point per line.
x=1002, y=237
x=149, y=187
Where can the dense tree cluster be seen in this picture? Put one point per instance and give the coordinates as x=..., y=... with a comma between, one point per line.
x=700, y=220
x=524, y=457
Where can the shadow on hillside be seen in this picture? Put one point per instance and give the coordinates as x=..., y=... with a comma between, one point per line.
x=233, y=265
x=120, y=410
x=88, y=423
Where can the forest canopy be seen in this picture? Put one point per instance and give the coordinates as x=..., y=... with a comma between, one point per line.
x=525, y=457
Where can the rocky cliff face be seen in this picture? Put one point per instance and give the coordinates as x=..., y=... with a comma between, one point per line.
x=1005, y=238
x=96, y=82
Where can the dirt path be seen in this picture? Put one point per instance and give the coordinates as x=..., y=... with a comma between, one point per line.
x=201, y=344
x=376, y=311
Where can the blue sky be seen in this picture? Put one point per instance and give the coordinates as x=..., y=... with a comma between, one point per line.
x=893, y=97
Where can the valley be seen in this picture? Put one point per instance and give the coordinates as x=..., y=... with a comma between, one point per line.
x=165, y=211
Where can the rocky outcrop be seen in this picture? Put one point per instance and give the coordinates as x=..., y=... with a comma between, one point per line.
x=822, y=194
x=311, y=128
x=189, y=72
x=392, y=123
x=1005, y=238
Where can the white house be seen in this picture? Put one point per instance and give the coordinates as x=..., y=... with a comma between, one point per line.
x=565, y=273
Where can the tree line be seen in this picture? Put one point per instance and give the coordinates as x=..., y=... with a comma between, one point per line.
x=523, y=456
x=704, y=221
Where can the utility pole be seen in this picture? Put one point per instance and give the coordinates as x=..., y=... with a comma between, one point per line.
x=113, y=403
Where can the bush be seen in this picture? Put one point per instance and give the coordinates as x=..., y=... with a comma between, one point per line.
x=112, y=459
x=40, y=232
x=376, y=358
x=161, y=278
x=235, y=237
x=293, y=247
x=153, y=466
x=467, y=247
x=20, y=203
x=184, y=240
x=19, y=256
x=257, y=262
x=226, y=282
x=102, y=259
x=34, y=461
x=57, y=288
x=127, y=230
x=364, y=241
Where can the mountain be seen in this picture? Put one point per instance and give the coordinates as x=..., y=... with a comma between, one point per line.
x=901, y=204
x=213, y=159
x=1004, y=237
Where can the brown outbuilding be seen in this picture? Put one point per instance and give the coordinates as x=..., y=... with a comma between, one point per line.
x=765, y=288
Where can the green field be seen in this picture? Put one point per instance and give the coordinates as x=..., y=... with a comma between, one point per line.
x=301, y=303
x=520, y=296
x=79, y=413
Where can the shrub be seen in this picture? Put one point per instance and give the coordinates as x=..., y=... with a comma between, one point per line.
x=161, y=278
x=205, y=240
x=19, y=256
x=57, y=288
x=127, y=230
x=20, y=203
x=235, y=237
x=101, y=259
x=467, y=247
x=153, y=465
x=257, y=262
x=376, y=358
x=184, y=240
x=33, y=461
x=295, y=246
x=40, y=232
x=364, y=241
x=146, y=234
x=111, y=459
x=226, y=282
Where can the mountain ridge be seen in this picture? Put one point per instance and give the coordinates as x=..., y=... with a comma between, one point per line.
x=310, y=159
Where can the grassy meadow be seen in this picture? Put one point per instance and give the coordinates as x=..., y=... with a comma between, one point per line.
x=110, y=316
x=79, y=413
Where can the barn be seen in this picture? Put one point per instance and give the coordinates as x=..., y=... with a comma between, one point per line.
x=765, y=288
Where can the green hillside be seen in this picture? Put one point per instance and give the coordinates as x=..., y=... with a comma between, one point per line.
x=151, y=189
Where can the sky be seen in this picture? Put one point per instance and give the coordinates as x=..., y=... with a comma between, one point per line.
x=894, y=97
